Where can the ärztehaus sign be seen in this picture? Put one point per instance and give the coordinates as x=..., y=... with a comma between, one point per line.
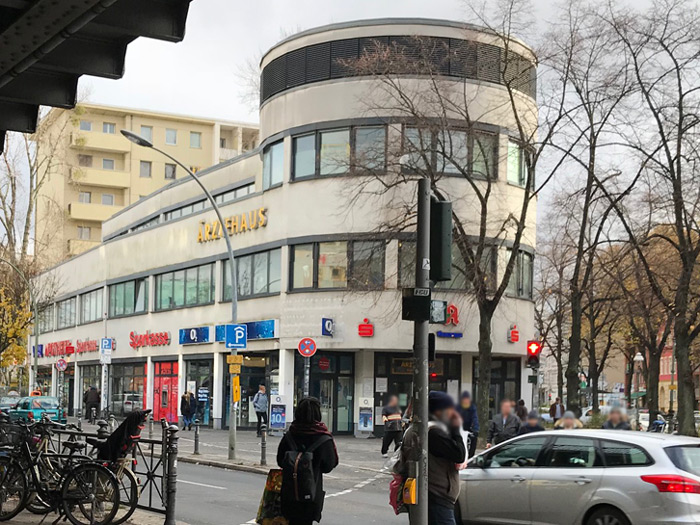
x=240, y=223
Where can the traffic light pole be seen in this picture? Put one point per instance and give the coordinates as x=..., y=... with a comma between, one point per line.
x=419, y=512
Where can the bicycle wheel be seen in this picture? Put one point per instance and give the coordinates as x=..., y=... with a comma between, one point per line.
x=13, y=489
x=129, y=492
x=36, y=505
x=90, y=495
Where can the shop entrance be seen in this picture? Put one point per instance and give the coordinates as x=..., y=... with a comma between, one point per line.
x=199, y=382
x=331, y=381
x=257, y=369
x=166, y=399
x=505, y=381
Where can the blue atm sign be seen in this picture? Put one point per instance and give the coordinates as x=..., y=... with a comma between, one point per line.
x=236, y=336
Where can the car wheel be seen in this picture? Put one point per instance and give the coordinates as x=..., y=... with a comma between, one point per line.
x=607, y=516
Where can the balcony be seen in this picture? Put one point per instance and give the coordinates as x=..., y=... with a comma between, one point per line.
x=100, y=178
x=112, y=142
x=78, y=246
x=80, y=211
x=227, y=153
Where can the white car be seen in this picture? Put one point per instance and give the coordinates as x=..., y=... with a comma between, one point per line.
x=587, y=413
x=584, y=477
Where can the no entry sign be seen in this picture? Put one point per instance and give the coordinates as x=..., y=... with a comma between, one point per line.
x=307, y=347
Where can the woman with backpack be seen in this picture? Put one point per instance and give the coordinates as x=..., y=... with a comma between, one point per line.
x=306, y=452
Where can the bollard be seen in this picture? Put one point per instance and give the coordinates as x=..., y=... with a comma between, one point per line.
x=263, y=445
x=150, y=427
x=171, y=486
x=80, y=425
x=112, y=423
x=196, y=437
x=102, y=429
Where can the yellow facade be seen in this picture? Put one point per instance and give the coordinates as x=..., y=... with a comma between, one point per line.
x=91, y=171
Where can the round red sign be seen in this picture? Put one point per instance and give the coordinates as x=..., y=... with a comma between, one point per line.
x=307, y=347
x=324, y=363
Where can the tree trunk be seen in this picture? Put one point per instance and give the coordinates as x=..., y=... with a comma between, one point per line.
x=686, y=387
x=593, y=378
x=652, y=379
x=484, y=382
x=560, y=379
x=629, y=375
x=572, y=380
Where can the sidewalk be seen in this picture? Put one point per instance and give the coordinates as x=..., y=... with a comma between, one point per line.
x=139, y=518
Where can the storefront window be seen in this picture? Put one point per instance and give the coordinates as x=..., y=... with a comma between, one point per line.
x=128, y=386
x=505, y=382
x=258, y=274
x=191, y=287
x=66, y=313
x=199, y=381
x=257, y=369
x=90, y=375
x=43, y=379
x=91, y=306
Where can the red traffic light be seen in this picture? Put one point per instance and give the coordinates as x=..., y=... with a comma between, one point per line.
x=534, y=347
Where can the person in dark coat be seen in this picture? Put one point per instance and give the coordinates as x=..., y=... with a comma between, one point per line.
x=305, y=430
x=521, y=411
x=503, y=426
x=188, y=408
x=91, y=399
x=393, y=425
x=616, y=421
x=532, y=424
x=470, y=420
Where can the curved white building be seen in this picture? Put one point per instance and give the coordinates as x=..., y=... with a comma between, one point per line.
x=310, y=260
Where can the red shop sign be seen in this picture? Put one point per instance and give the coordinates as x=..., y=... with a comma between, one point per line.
x=324, y=363
x=137, y=341
x=366, y=329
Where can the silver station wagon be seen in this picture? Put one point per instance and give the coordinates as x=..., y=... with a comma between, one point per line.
x=588, y=477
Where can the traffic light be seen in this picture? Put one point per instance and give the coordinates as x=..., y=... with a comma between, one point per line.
x=534, y=348
x=440, y=240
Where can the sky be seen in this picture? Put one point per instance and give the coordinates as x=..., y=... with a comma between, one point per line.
x=204, y=74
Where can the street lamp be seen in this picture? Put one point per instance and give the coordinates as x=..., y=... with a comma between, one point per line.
x=144, y=143
x=638, y=360
x=36, y=316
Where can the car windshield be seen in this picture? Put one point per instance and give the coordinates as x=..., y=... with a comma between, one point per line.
x=685, y=458
x=8, y=401
x=45, y=403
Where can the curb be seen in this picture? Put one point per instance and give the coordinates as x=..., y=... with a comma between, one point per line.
x=224, y=465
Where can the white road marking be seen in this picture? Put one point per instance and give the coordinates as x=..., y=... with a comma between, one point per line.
x=201, y=484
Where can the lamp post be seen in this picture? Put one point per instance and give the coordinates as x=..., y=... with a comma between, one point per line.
x=36, y=317
x=140, y=141
x=638, y=360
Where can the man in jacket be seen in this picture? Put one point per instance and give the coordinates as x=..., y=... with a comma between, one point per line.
x=503, y=426
x=470, y=420
x=393, y=426
x=556, y=410
x=445, y=450
x=532, y=424
x=91, y=399
x=616, y=421
x=260, y=406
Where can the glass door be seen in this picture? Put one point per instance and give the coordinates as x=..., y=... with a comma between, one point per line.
x=344, y=407
x=325, y=396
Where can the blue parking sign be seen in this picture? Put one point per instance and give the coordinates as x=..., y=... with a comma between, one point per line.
x=236, y=336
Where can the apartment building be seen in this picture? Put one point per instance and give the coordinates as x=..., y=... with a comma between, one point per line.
x=91, y=171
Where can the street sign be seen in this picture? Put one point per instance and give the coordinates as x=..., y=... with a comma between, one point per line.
x=236, y=336
x=327, y=327
x=673, y=387
x=532, y=380
x=234, y=369
x=106, y=346
x=234, y=359
x=438, y=312
x=307, y=347
x=61, y=365
x=236, y=389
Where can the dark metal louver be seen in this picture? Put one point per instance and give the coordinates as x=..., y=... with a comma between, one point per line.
x=296, y=67
x=318, y=62
x=341, y=52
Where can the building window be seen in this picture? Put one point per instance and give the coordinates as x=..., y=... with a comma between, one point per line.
x=453, y=152
x=85, y=125
x=91, y=306
x=145, y=169
x=65, y=313
x=222, y=142
x=108, y=164
x=325, y=265
x=85, y=161
x=195, y=139
x=517, y=165
x=170, y=170
x=127, y=298
x=273, y=165
x=233, y=195
x=109, y=127
x=257, y=274
x=108, y=199
x=190, y=287
x=171, y=136
x=85, y=197
x=333, y=152
x=520, y=284
x=147, y=133
x=84, y=233
x=46, y=318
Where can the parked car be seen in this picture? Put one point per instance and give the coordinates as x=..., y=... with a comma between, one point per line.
x=587, y=413
x=7, y=402
x=35, y=407
x=585, y=477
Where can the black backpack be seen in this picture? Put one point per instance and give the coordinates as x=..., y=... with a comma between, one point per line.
x=298, y=478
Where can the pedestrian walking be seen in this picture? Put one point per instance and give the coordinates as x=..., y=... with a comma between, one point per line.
x=188, y=408
x=470, y=420
x=91, y=399
x=532, y=424
x=556, y=410
x=503, y=426
x=616, y=420
x=521, y=411
x=260, y=404
x=568, y=421
x=446, y=450
x=306, y=452
x=393, y=425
